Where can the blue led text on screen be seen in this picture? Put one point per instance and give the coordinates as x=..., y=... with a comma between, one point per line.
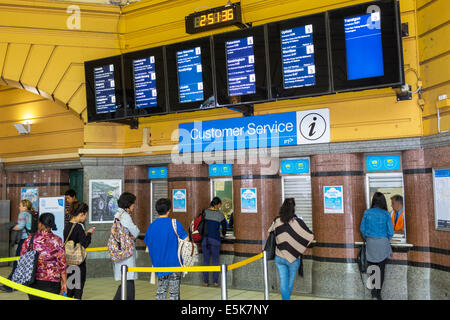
x=190, y=81
x=241, y=67
x=145, y=82
x=297, y=51
x=105, y=89
x=364, y=46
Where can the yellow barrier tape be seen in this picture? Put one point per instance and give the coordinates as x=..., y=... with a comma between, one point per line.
x=9, y=259
x=97, y=249
x=35, y=292
x=244, y=262
x=175, y=269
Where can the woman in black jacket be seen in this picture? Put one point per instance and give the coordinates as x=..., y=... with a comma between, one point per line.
x=78, y=235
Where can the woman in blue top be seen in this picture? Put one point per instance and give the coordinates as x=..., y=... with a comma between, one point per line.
x=376, y=228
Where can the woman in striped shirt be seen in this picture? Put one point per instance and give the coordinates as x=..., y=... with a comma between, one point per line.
x=292, y=237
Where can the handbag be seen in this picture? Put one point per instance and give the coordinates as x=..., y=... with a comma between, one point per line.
x=362, y=259
x=120, y=242
x=187, y=251
x=269, y=248
x=75, y=254
x=25, y=271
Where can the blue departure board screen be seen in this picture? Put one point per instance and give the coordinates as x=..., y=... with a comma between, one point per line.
x=364, y=47
x=145, y=82
x=297, y=52
x=190, y=80
x=105, y=89
x=240, y=67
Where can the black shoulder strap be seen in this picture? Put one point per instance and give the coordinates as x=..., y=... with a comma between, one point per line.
x=30, y=245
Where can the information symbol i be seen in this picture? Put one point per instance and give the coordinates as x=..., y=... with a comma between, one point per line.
x=313, y=126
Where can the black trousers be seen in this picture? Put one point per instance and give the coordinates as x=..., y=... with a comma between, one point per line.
x=376, y=292
x=130, y=291
x=49, y=286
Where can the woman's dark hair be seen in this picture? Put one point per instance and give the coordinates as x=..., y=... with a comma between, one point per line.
x=82, y=208
x=379, y=201
x=215, y=202
x=126, y=199
x=287, y=210
x=48, y=220
x=163, y=205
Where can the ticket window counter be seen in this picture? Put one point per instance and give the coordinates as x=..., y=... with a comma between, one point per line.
x=296, y=183
x=159, y=188
x=222, y=186
x=384, y=174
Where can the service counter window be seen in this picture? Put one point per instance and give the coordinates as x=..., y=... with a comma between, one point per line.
x=222, y=187
x=158, y=188
x=384, y=174
x=296, y=183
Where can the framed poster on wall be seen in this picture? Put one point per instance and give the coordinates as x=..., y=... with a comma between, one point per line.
x=55, y=206
x=441, y=194
x=179, y=200
x=103, y=197
x=31, y=194
x=249, y=203
x=333, y=199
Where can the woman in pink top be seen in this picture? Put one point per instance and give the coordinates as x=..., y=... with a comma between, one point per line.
x=51, y=273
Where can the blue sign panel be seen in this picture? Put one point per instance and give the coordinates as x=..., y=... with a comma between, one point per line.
x=333, y=199
x=190, y=81
x=363, y=46
x=383, y=163
x=294, y=166
x=105, y=89
x=442, y=173
x=249, y=202
x=179, y=200
x=297, y=48
x=239, y=133
x=220, y=170
x=157, y=173
x=145, y=82
x=241, y=67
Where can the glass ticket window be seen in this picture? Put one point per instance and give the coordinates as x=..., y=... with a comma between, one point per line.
x=296, y=183
x=384, y=174
x=222, y=187
x=159, y=188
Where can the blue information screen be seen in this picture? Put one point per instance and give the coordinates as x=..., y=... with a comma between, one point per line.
x=145, y=82
x=240, y=67
x=364, y=47
x=105, y=89
x=190, y=81
x=297, y=49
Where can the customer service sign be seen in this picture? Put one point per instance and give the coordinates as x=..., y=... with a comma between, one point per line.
x=272, y=130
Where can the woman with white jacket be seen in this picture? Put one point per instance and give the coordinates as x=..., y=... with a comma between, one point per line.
x=126, y=208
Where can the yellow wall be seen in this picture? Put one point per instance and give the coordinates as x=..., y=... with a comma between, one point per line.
x=40, y=54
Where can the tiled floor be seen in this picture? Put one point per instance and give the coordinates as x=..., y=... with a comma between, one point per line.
x=105, y=288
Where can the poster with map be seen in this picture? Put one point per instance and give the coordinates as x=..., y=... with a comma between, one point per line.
x=441, y=188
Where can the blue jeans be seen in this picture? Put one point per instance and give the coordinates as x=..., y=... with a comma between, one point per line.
x=211, y=249
x=287, y=272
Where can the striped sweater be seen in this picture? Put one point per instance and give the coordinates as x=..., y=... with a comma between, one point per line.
x=291, y=238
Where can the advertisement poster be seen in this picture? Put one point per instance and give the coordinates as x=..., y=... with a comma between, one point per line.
x=179, y=200
x=333, y=199
x=55, y=206
x=31, y=194
x=103, y=196
x=249, y=203
x=441, y=186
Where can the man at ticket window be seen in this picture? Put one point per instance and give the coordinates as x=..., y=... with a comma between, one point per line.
x=398, y=214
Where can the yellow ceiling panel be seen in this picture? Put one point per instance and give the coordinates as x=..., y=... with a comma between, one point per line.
x=16, y=56
x=70, y=82
x=37, y=60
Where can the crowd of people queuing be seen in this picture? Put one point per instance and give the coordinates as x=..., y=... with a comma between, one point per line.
x=292, y=237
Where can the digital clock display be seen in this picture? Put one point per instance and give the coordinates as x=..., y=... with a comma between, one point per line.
x=213, y=18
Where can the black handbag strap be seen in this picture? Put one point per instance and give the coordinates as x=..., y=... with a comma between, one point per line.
x=30, y=245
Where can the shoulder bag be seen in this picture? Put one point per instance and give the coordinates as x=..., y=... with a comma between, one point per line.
x=75, y=254
x=120, y=242
x=25, y=271
x=187, y=251
x=270, y=245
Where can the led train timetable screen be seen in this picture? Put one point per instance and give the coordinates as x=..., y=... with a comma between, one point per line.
x=364, y=46
x=297, y=49
x=240, y=67
x=145, y=82
x=105, y=89
x=190, y=81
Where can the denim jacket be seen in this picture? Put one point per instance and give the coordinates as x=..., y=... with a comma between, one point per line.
x=377, y=223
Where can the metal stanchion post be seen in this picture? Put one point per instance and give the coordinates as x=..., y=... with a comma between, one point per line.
x=124, y=282
x=266, y=276
x=223, y=275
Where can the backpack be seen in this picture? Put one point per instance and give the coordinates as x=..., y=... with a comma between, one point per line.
x=197, y=228
x=120, y=243
x=187, y=251
x=34, y=222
